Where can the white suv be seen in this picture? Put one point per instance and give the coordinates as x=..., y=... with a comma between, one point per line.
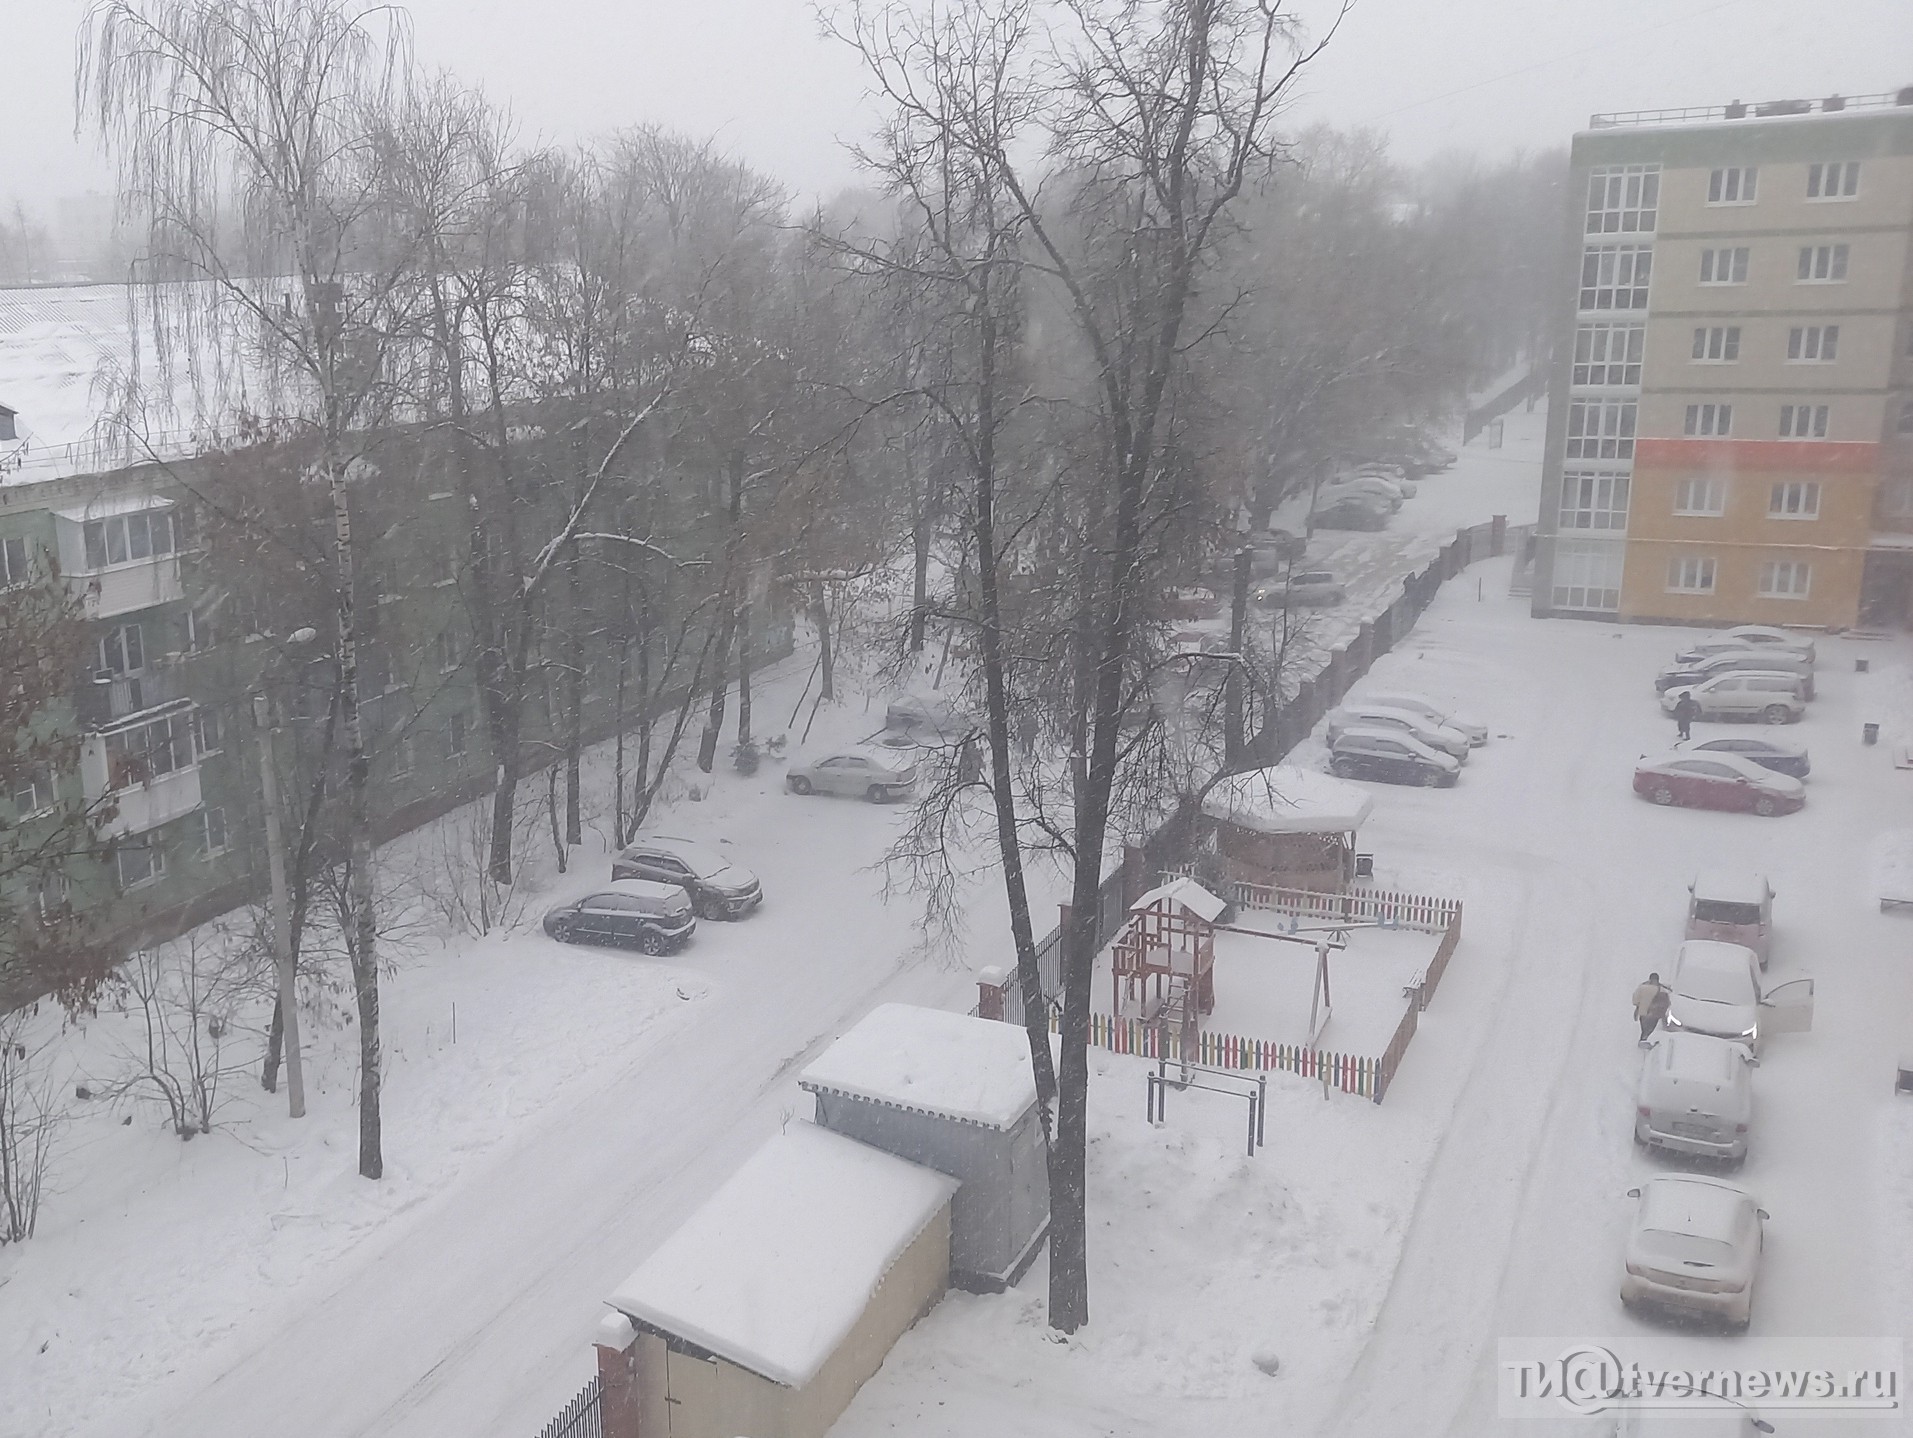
x=1745, y=694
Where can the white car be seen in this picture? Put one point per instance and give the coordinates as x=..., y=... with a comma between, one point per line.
x=1694, y=1248
x=1715, y=989
x=1370, y=715
x=1371, y=487
x=1696, y=1097
x=1722, y=644
x=1434, y=713
x=1759, y=634
x=1766, y=695
x=865, y=772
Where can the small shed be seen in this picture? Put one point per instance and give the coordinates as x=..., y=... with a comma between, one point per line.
x=774, y=1302
x=954, y=1093
x=1286, y=827
x=1170, y=937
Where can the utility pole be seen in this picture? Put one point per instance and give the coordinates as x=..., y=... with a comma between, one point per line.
x=281, y=908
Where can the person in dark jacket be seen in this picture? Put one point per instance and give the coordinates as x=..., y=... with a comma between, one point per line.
x=1686, y=711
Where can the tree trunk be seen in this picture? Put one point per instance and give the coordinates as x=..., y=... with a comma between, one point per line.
x=1234, y=736
x=826, y=650
x=720, y=686
x=574, y=702
x=744, y=672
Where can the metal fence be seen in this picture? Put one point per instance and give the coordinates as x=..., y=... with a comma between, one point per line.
x=582, y=1417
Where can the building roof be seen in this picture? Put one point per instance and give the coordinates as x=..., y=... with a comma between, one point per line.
x=1283, y=799
x=937, y=1062
x=776, y=1268
x=1183, y=893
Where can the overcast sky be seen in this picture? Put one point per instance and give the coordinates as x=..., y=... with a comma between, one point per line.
x=1482, y=75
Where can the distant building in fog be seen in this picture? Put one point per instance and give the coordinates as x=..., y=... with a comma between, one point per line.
x=1730, y=436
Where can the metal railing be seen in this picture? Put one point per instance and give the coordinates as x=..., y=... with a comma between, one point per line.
x=582, y=1417
x=1758, y=110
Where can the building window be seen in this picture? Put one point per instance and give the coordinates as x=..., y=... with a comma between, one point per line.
x=1690, y=574
x=1587, y=576
x=128, y=538
x=1724, y=267
x=1708, y=420
x=1608, y=354
x=122, y=650
x=1785, y=579
x=1833, y=180
x=206, y=732
x=147, y=751
x=1803, y=421
x=53, y=895
x=1615, y=277
x=15, y=565
x=1905, y=425
x=1717, y=344
x=455, y=736
x=139, y=865
x=212, y=832
x=404, y=756
x=1813, y=344
x=1622, y=199
x=1706, y=496
x=1601, y=429
x=1896, y=500
x=1794, y=499
x=445, y=651
x=198, y=631
x=1822, y=264
x=1733, y=186
x=1595, y=499
x=32, y=792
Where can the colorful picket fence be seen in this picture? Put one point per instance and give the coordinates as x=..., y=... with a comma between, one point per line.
x=1351, y=1073
x=1380, y=906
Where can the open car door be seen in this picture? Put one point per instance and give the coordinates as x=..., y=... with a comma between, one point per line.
x=1788, y=1008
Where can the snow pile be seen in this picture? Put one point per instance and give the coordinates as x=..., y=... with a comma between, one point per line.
x=776, y=1268
x=1283, y=799
x=953, y=1065
x=1893, y=866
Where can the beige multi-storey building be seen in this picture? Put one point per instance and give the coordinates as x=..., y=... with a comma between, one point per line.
x=1731, y=421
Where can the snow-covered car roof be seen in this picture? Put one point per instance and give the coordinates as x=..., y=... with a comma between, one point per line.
x=776, y=1268
x=951, y=1065
x=1730, y=886
x=1678, y=1203
x=1739, y=763
x=1362, y=732
x=703, y=857
x=1283, y=799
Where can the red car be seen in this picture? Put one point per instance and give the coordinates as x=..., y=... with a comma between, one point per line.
x=1711, y=780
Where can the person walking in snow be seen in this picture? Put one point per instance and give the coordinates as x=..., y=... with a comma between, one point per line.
x=1651, y=1000
x=1686, y=711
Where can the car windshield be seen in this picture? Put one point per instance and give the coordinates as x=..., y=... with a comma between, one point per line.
x=1716, y=986
x=1717, y=911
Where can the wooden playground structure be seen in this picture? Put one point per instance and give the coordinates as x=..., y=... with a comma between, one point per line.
x=1164, y=959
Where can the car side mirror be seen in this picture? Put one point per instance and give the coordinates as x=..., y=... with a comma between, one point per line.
x=1752, y=1061
x=1762, y=1425
x=1763, y=1213
x=1633, y=1193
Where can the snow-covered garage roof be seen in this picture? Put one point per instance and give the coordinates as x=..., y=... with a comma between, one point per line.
x=776, y=1268
x=952, y=1065
x=1283, y=799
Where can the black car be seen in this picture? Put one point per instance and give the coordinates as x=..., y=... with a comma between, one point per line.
x=1392, y=757
x=656, y=918
x=1775, y=754
x=718, y=888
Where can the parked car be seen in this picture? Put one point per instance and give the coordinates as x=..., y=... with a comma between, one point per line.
x=925, y=717
x=1390, y=474
x=1284, y=547
x=1694, y=1248
x=1370, y=487
x=1349, y=512
x=1360, y=714
x=635, y=914
x=1761, y=634
x=1696, y=1097
x=867, y=772
x=1783, y=756
x=1193, y=603
x=717, y=888
x=1722, y=643
x=1310, y=586
x=1435, y=713
x=1733, y=661
x=1735, y=906
x=1717, y=781
x=1715, y=989
x=1768, y=696
x=1392, y=756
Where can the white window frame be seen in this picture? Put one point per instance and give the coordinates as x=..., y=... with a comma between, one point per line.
x=1623, y=200
x=1822, y=265
x=207, y=717
x=1691, y=574
x=1601, y=428
x=134, y=745
x=1608, y=354
x=208, y=818
x=1733, y=185
x=1813, y=344
x=1716, y=344
x=1797, y=574
x=1587, y=576
x=1805, y=421
x=155, y=865
x=35, y=792
x=1594, y=500
x=447, y=656
x=116, y=655
x=1724, y=266
x=1833, y=180
x=1616, y=277
x=1794, y=499
x=1708, y=420
x=101, y=540
x=1700, y=496
x=457, y=735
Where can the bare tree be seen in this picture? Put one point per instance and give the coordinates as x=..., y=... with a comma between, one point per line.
x=31, y=1117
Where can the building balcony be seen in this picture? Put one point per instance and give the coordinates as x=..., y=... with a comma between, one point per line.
x=145, y=764
x=145, y=806
x=105, y=698
x=127, y=588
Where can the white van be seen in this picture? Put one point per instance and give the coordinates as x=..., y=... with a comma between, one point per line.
x=1695, y=1097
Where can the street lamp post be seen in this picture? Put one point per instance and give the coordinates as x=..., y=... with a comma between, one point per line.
x=267, y=727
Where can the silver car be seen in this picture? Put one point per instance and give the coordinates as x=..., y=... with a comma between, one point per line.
x=1310, y=586
x=864, y=772
x=1770, y=660
x=1694, y=1248
x=1766, y=695
x=1434, y=713
x=1696, y=1097
x=1439, y=737
x=1715, y=989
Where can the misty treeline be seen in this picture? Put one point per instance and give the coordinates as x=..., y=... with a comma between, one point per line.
x=1093, y=304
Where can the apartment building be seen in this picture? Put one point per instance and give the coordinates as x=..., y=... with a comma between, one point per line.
x=1731, y=409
